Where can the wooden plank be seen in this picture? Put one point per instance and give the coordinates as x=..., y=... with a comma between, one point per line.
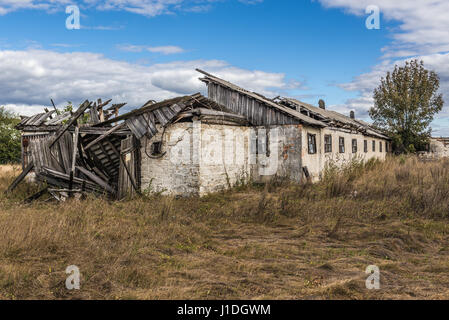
x=56, y=110
x=20, y=177
x=151, y=123
x=94, y=115
x=75, y=148
x=44, y=117
x=177, y=108
x=98, y=166
x=126, y=167
x=31, y=120
x=96, y=179
x=118, y=127
x=160, y=117
x=104, y=104
x=72, y=120
x=136, y=127
x=117, y=106
x=36, y=196
x=169, y=114
x=64, y=146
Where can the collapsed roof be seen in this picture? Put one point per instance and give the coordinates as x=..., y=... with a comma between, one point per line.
x=74, y=153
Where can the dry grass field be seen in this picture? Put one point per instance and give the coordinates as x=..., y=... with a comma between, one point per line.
x=277, y=241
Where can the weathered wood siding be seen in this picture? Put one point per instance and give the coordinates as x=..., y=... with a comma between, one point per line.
x=257, y=113
x=129, y=153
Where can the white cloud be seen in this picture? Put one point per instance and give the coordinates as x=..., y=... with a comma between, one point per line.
x=422, y=34
x=148, y=8
x=423, y=24
x=365, y=83
x=162, y=49
x=28, y=79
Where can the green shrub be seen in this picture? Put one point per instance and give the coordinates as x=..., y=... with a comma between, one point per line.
x=10, y=148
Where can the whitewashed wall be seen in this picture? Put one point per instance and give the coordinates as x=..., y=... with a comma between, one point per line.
x=317, y=162
x=205, y=158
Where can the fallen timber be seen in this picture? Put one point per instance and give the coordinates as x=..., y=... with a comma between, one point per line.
x=88, y=150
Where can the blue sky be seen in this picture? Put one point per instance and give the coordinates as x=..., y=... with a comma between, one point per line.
x=139, y=50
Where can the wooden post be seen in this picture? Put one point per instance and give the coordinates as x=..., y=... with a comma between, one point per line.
x=20, y=177
x=75, y=148
x=125, y=166
x=74, y=118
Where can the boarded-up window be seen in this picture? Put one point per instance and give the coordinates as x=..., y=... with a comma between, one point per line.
x=327, y=143
x=341, y=145
x=354, y=145
x=312, y=143
x=365, y=146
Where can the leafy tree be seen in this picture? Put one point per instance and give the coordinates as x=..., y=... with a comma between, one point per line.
x=405, y=104
x=10, y=141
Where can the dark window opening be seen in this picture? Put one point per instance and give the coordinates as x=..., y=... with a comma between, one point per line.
x=380, y=146
x=354, y=145
x=342, y=145
x=156, y=148
x=327, y=143
x=312, y=143
x=374, y=146
x=365, y=146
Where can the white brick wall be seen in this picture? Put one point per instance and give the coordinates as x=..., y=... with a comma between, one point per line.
x=205, y=158
x=317, y=162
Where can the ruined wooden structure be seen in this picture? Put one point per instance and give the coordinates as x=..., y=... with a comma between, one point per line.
x=102, y=154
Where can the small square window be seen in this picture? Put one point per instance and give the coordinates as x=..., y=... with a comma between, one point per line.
x=341, y=144
x=327, y=143
x=354, y=146
x=311, y=138
x=156, y=148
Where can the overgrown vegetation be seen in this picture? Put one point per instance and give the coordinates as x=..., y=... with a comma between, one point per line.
x=274, y=241
x=10, y=149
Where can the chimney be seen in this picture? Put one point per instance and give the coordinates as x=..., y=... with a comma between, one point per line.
x=322, y=104
x=352, y=114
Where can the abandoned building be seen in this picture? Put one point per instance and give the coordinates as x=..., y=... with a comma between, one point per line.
x=190, y=145
x=437, y=148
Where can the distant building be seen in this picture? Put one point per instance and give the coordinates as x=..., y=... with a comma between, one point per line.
x=438, y=148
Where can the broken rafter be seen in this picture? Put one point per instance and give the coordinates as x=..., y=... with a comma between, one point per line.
x=20, y=177
x=100, y=138
x=125, y=166
x=35, y=196
x=102, y=105
x=96, y=179
x=72, y=120
x=75, y=148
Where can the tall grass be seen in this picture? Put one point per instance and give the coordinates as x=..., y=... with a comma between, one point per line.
x=421, y=187
x=234, y=244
